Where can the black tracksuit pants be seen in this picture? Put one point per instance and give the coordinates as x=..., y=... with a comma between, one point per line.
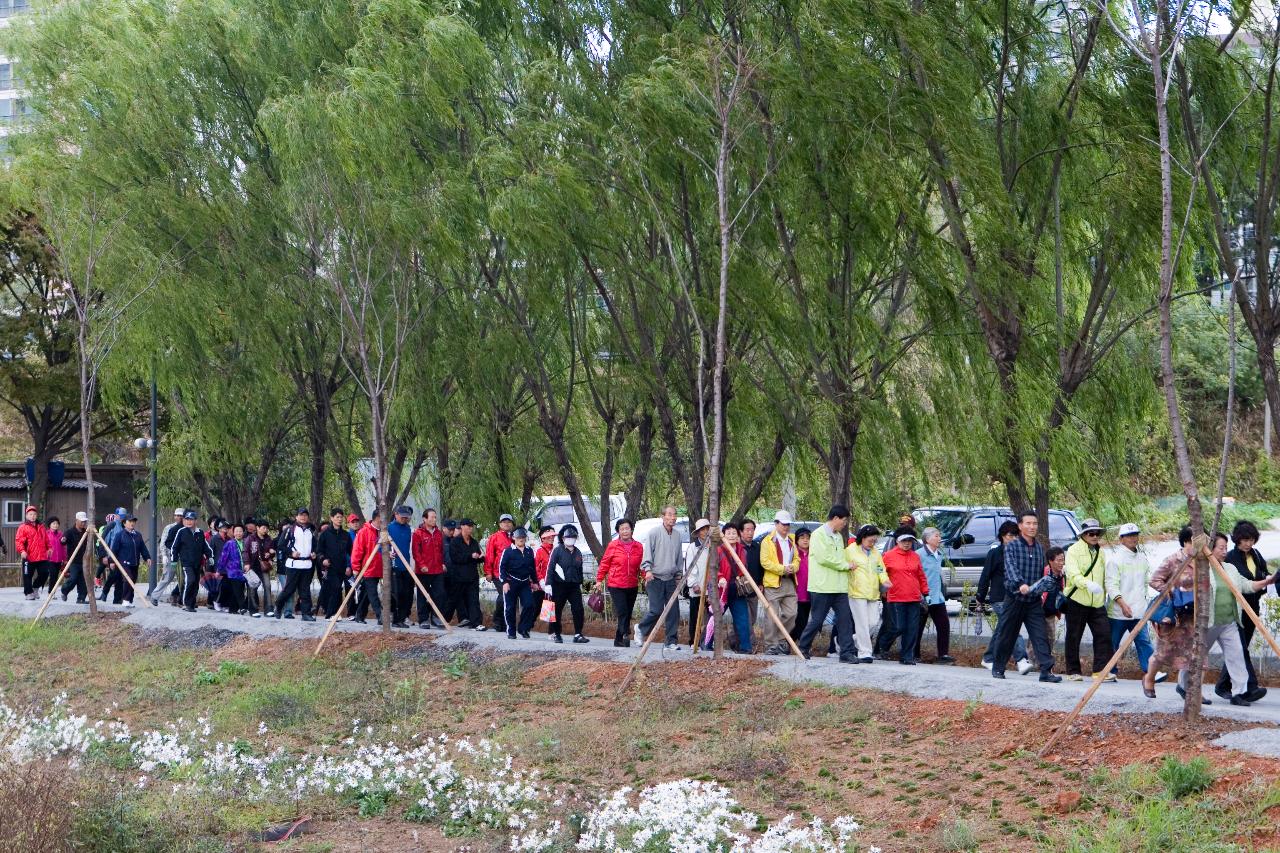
x=1079, y=617
x=298, y=583
x=571, y=593
x=369, y=597
x=464, y=598
x=75, y=580
x=437, y=589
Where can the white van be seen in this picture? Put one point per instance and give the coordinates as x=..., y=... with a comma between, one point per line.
x=557, y=511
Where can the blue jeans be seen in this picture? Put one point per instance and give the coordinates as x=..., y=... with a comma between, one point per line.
x=741, y=623
x=1142, y=642
x=1019, y=644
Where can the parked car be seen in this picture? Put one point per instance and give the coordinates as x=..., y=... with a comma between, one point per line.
x=969, y=532
x=557, y=511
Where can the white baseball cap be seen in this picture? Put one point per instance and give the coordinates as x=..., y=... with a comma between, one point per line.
x=783, y=517
x=178, y=511
x=1128, y=529
x=82, y=516
x=699, y=524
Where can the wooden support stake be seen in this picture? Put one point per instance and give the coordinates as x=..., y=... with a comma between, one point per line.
x=422, y=589
x=1115, y=658
x=768, y=606
x=61, y=575
x=1244, y=605
x=660, y=625
x=337, y=614
x=702, y=604
x=145, y=601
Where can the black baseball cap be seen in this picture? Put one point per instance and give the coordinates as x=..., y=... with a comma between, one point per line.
x=450, y=524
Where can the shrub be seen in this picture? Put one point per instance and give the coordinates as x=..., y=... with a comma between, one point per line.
x=37, y=807
x=1183, y=778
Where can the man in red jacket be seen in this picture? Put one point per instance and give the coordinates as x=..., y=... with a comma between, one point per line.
x=428, y=564
x=497, y=545
x=32, y=542
x=367, y=543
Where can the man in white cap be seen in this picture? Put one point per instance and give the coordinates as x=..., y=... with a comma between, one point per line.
x=1086, y=598
x=780, y=560
x=1128, y=587
x=75, y=571
x=168, y=568
x=662, y=565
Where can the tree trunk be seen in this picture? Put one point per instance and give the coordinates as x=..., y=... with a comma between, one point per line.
x=644, y=457
x=378, y=422
x=319, y=443
x=87, y=380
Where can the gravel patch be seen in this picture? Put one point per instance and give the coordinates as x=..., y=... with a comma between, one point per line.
x=1255, y=741
x=198, y=637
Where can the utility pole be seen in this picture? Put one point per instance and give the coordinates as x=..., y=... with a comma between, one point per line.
x=150, y=444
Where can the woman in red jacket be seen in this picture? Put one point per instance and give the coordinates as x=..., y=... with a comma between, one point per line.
x=909, y=589
x=32, y=542
x=366, y=543
x=620, y=573
x=731, y=600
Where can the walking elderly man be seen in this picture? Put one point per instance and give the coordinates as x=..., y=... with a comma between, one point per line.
x=1086, y=597
x=780, y=560
x=169, y=574
x=662, y=564
x=829, y=585
x=1024, y=582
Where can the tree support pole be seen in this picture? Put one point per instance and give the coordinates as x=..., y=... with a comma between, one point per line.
x=422, y=589
x=61, y=575
x=146, y=602
x=1115, y=658
x=337, y=614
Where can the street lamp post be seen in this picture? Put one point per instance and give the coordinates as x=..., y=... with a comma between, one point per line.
x=151, y=444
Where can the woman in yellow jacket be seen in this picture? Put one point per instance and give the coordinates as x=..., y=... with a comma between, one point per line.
x=866, y=575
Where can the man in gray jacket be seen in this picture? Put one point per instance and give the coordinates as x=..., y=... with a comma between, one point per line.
x=662, y=562
x=170, y=574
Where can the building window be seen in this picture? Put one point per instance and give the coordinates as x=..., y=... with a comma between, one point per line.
x=6, y=75
x=6, y=111
x=14, y=513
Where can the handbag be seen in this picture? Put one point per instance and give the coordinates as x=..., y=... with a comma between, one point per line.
x=745, y=589
x=595, y=601
x=253, y=579
x=548, y=613
x=1165, y=613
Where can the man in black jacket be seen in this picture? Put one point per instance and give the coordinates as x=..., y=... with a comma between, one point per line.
x=463, y=570
x=449, y=607
x=1252, y=566
x=75, y=572
x=753, y=567
x=190, y=550
x=991, y=591
x=333, y=549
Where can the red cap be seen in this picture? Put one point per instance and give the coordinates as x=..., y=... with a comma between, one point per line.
x=33, y=509
x=353, y=518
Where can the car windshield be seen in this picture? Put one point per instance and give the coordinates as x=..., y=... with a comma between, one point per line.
x=948, y=521
x=557, y=514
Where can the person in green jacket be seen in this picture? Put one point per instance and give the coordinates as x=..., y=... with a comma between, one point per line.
x=1086, y=601
x=829, y=585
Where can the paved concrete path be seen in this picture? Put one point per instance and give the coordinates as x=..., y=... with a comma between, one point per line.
x=925, y=681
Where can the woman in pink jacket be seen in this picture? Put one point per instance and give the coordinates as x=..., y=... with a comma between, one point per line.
x=57, y=549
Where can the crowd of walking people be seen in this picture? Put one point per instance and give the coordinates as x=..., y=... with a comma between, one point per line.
x=810, y=579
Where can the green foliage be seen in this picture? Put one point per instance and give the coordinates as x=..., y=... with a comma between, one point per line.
x=1182, y=778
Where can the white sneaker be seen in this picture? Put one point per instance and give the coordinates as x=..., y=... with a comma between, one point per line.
x=217, y=608
x=1024, y=666
x=128, y=604
x=635, y=631
x=1076, y=677
x=1161, y=677
x=672, y=647
x=986, y=664
x=1110, y=679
